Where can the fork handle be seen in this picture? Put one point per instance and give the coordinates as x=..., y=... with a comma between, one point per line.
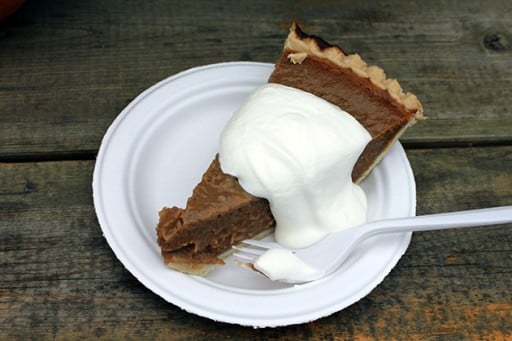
x=441, y=221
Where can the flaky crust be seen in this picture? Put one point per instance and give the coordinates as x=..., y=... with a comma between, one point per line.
x=303, y=45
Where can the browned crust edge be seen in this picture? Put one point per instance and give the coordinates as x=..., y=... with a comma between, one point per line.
x=304, y=44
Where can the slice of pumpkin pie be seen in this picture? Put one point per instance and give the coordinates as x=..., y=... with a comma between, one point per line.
x=220, y=213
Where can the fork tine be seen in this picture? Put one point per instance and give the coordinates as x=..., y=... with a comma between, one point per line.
x=247, y=253
x=262, y=244
x=250, y=258
x=250, y=250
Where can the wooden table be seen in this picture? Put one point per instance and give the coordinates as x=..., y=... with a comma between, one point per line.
x=67, y=69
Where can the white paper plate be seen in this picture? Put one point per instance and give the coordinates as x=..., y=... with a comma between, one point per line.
x=155, y=152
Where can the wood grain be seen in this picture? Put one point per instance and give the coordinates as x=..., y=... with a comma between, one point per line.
x=67, y=69
x=60, y=280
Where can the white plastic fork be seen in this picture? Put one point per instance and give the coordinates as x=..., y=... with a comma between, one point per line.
x=327, y=255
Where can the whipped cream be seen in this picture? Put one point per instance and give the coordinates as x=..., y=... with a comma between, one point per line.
x=297, y=150
x=283, y=265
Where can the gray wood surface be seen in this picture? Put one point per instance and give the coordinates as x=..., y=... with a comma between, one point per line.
x=68, y=68
x=59, y=277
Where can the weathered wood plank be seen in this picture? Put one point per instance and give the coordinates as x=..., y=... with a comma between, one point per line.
x=59, y=278
x=67, y=68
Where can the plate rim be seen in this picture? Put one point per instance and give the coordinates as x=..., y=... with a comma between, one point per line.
x=103, y=220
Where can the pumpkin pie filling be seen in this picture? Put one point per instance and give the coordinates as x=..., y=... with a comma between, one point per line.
x=373, y=107
x=220, y=213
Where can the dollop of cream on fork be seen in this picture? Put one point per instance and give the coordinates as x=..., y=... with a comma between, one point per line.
x=283, y=265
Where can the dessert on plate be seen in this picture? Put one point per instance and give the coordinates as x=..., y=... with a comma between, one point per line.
x=220, y=213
